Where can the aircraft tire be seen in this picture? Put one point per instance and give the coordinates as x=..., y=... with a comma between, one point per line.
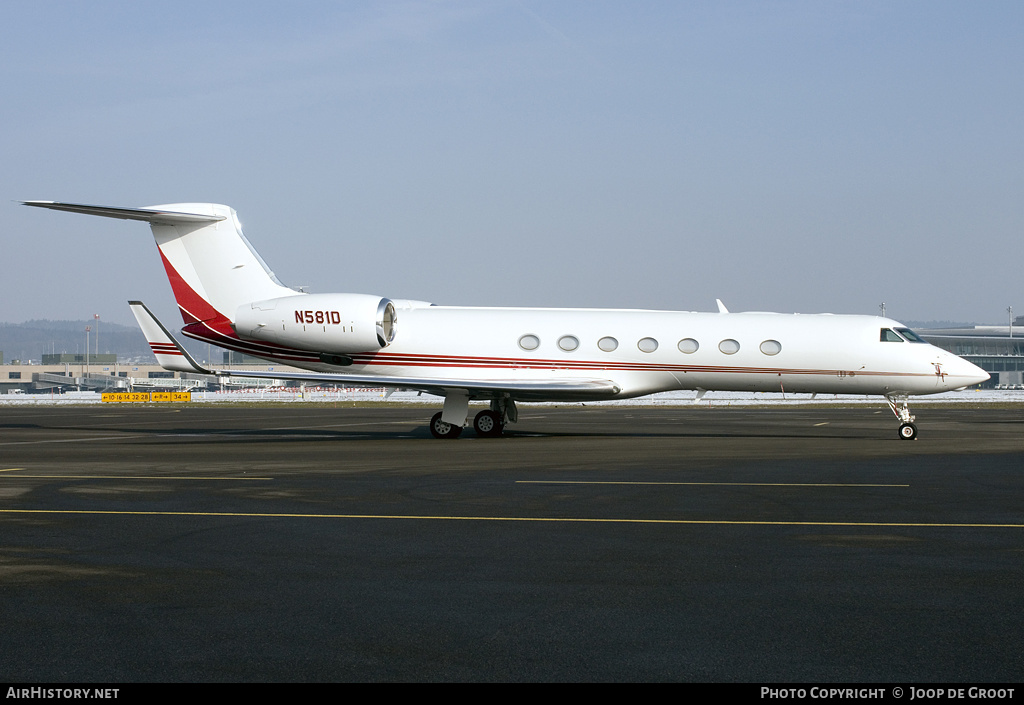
x=440, y=429
x=908, y=431
x=487, y=424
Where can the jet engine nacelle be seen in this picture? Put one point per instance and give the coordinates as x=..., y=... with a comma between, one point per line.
x=325, y=323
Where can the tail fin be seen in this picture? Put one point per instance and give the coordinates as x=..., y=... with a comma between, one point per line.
x=211, y=266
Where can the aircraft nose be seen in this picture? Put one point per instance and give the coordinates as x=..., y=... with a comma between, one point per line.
x=980, y=375
x=967, y=374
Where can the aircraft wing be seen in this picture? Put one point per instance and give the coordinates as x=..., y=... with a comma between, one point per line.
x=568, y=390
x=172, y=356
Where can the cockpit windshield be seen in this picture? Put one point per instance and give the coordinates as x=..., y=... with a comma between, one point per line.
x=911, y=335
x=888, y=336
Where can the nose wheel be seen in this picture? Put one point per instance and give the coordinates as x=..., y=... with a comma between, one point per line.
x=901, y=408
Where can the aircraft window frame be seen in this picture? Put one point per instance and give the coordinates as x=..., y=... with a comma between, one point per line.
x=770, y=347
x=689, y=349
x=910, y=335
x=524, y=342
x=729, y=346
x=569, y=343
x=608, y=344
x=893, y=337
x=647, y=345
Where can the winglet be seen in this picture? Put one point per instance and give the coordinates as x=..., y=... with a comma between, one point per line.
x=721, y=306
x=169, y=353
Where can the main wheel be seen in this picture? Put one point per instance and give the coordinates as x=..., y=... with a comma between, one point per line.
x=488, y=423
x=442, y=429
x=908, y=431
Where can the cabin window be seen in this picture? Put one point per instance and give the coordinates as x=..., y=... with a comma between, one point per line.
x=688, y=346
x=911, y=335
x=529, y=342
x=647, y=345
x=729, y=346
x=568, y=343
x=771, y=347
x=889, y=336
x=608, y=343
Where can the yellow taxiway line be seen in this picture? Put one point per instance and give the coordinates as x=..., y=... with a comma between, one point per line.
x=717, y=484
x=132, y=477
x=563, y=520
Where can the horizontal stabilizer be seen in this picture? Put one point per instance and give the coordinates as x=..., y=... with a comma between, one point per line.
x=169, y=353
x=150, y=215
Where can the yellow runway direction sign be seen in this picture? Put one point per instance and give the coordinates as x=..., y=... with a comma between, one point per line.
x=172, y=396
x=146, y=396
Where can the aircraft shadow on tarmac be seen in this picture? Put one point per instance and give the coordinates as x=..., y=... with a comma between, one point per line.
x=222, y=435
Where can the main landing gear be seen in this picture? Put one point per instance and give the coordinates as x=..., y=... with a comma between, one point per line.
x=489, y=423
x=442, y=429
x=900, y=407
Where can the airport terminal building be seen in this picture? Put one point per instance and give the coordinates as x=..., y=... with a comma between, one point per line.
x=999, y=350
x=103, y=373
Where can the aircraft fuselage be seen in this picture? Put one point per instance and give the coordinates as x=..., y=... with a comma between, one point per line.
x=642, y=351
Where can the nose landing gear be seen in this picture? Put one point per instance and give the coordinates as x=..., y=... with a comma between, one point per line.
x=900, y=407
x=908, y=431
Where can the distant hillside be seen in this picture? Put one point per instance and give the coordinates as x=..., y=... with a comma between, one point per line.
x=31, y=339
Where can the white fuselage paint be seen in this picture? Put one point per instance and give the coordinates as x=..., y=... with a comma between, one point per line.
x=821, y=353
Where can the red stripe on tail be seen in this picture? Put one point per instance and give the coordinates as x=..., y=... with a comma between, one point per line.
x=194, y=308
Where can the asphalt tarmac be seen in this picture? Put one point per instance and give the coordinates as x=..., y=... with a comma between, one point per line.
x=313, y=543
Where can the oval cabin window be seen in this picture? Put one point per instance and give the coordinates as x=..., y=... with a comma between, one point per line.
x=647, y=345
x=771, y=347
x=608, y=344
x=688, y=346
x=568, y=343
x=529, y=342
x=729, y=346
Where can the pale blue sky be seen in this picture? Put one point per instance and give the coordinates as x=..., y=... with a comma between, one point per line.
x=791, y=156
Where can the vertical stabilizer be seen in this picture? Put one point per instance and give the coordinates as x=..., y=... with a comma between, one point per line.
x=211, y=266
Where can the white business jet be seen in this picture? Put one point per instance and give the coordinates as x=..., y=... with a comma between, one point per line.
x=229, y=297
